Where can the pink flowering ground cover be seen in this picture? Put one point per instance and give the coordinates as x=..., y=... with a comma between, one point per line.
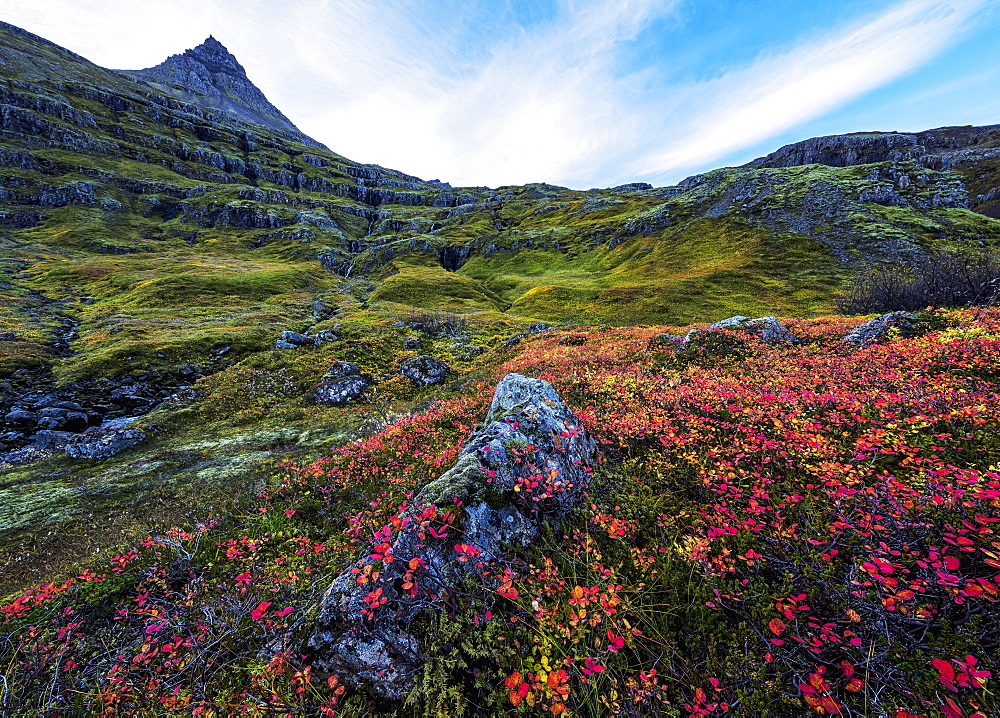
x=784, y=530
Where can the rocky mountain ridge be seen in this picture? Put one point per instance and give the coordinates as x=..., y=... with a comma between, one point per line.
x=210, y=76
x=972, y=152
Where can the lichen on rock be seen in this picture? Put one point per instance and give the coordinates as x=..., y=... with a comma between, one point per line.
x=876, y=330
x=343, y=383
x=767, y=329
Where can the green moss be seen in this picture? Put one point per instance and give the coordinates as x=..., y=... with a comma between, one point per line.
x=703, y=270
x=465, y=481
x=434, y=288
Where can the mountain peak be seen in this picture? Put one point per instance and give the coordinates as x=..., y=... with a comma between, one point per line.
x=210, y=76
x=214, y=53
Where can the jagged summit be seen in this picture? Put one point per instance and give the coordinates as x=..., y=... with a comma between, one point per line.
x=211, y=76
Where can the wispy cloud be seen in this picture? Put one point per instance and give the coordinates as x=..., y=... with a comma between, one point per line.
x=777, y=93
x=535, y=103
x=485, y=92
x=550, y=102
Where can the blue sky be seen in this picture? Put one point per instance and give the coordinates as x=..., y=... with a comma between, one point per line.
x=580, y=93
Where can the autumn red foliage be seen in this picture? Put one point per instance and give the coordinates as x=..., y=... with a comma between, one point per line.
x=772, y=530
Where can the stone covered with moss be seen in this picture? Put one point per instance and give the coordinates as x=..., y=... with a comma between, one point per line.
x=528, y=463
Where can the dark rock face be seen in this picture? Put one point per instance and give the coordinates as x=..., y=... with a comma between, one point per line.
x=845, y=150
x=343, y=383
x=767, y=329
x=531, y=460
x=876, y=330
x=210, y=76
x=939, y=149
x=104, y=441
x=424, y=370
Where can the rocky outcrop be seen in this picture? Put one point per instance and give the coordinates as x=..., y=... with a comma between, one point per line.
x=846, y=150
x=293, y=340
x=876, y=330
x=531, y=460
x=940, y=149
x=424, y=370
x=343, y=383
x=768, y=329
x=104, y=441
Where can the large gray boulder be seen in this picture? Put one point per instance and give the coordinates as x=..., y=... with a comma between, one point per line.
x=876, y=330
x=104, y=441
x=424, y=370
x=343, y=383
x=530, y=460
x=767, y=329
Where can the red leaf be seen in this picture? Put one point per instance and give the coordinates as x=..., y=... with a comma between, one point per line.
x=945, y=669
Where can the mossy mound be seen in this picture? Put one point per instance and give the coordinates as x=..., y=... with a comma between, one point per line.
x=434, y=288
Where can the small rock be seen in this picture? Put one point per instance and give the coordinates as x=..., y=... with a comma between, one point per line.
x=76, y=421
x=319, y=308
x=282, y=344
x=20, y=417
x=876, y=330
x=53, y=411
x=326, y=335
x=51, y=402
x=7, y=337
x=343, y=383
x=297, y=339
x=50, y=422
x=424, y=370
x=412, y=342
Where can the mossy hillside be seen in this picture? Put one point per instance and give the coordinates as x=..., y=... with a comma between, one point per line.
x=158, y=313
x=426, y=286
x=95, y=230
x=705, y=269
x=208, y=449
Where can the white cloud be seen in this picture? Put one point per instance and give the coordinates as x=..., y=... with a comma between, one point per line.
x=777, y=93
x=538, y=101
x=467, y=91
